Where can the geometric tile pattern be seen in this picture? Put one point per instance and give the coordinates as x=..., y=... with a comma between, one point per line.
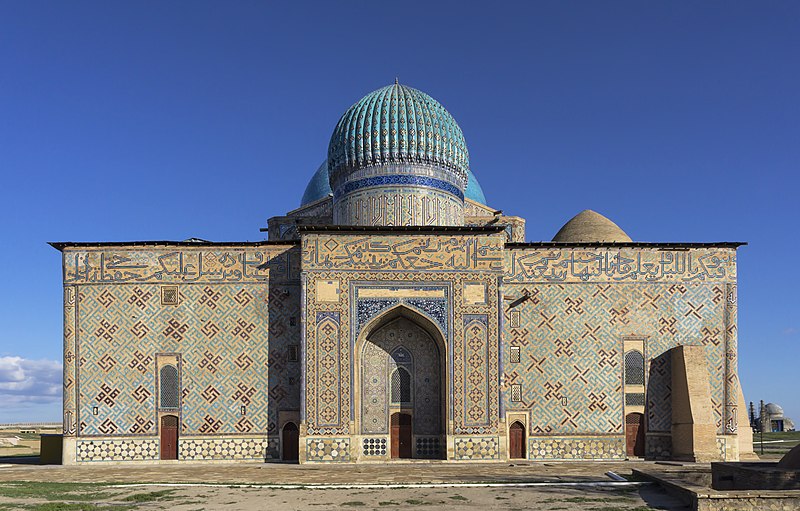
x=327, y=449
x=328, y=369
x=224, y=448
x=571, y=349
x=428, y=447
x=130, y=449
x=476, y=364
x=571, y=448
x=659, y=394
x=374, y=446
x=476, y=448
x=233, y=339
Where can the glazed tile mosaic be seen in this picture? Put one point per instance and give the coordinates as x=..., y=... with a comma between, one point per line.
x=574, y=448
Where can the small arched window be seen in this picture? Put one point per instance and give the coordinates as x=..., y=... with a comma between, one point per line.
x=634, y=368
x=401, y=386
x=168, y=382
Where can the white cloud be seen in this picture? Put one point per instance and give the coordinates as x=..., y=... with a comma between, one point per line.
x=25, y=381
x=790, y=331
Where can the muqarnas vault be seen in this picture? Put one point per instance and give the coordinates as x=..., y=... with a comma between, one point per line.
x=396, y=315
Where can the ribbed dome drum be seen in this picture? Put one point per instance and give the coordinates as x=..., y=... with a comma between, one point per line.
x=397, y=157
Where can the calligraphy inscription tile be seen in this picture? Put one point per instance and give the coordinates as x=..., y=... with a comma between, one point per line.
x=474, y=293
x=327, y=291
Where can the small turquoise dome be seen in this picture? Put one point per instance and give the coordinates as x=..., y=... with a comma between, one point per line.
x=319, y=187
x=474, y=190
x=397, y=125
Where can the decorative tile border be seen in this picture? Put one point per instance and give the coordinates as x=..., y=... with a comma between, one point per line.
x=576, y=448
x=328, y=449
x=228, y=448
x=135, y=449
x=476, y=448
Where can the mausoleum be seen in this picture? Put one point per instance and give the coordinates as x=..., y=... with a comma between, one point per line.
x=396, y=314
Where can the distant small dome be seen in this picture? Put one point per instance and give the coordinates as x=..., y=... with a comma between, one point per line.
x=319, y=187
x=591, y=227
x=773, y=409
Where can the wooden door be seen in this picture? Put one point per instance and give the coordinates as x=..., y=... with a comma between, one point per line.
x=169, y=437
x=290, y=442
x=516, y=441
x=402, y=436
x=634, y=434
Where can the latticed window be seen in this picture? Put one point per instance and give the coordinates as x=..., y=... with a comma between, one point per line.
x=634, y=418
x=634, y=368
x=515, y=354
x=516, y=392
x=634, y=399
x=168, y=380
x=401, y=386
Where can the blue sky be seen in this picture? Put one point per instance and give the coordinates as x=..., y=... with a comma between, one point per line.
x=170, y=120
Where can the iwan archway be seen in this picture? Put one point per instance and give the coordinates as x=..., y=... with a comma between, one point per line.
x=402, y=388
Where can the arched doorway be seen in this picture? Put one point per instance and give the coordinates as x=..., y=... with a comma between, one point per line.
x=634, y=434
x=401, y=397
x=290, y=442
x=169, y=437
x=516, y=441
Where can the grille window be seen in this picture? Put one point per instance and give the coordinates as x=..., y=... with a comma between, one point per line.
x=633, y=418
x=169, y=387
x=516, y=392
x=401, y=386
x=169, y=295
x=514, y=319
x=515, y=354
x=634, y=368
x=634, y=399
x=294, y=353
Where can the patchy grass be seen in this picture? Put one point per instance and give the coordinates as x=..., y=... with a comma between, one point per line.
x=457, y=497
x=55, y=491
x=415, y=502
x=63, y=506
x=353, y=503
x=388, y=503
x=150, y=496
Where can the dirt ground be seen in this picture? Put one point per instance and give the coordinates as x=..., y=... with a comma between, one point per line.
x=197, y=498
x=254, y=486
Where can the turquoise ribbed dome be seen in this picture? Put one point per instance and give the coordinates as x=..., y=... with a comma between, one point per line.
x=397, y=125
x=319, y=187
